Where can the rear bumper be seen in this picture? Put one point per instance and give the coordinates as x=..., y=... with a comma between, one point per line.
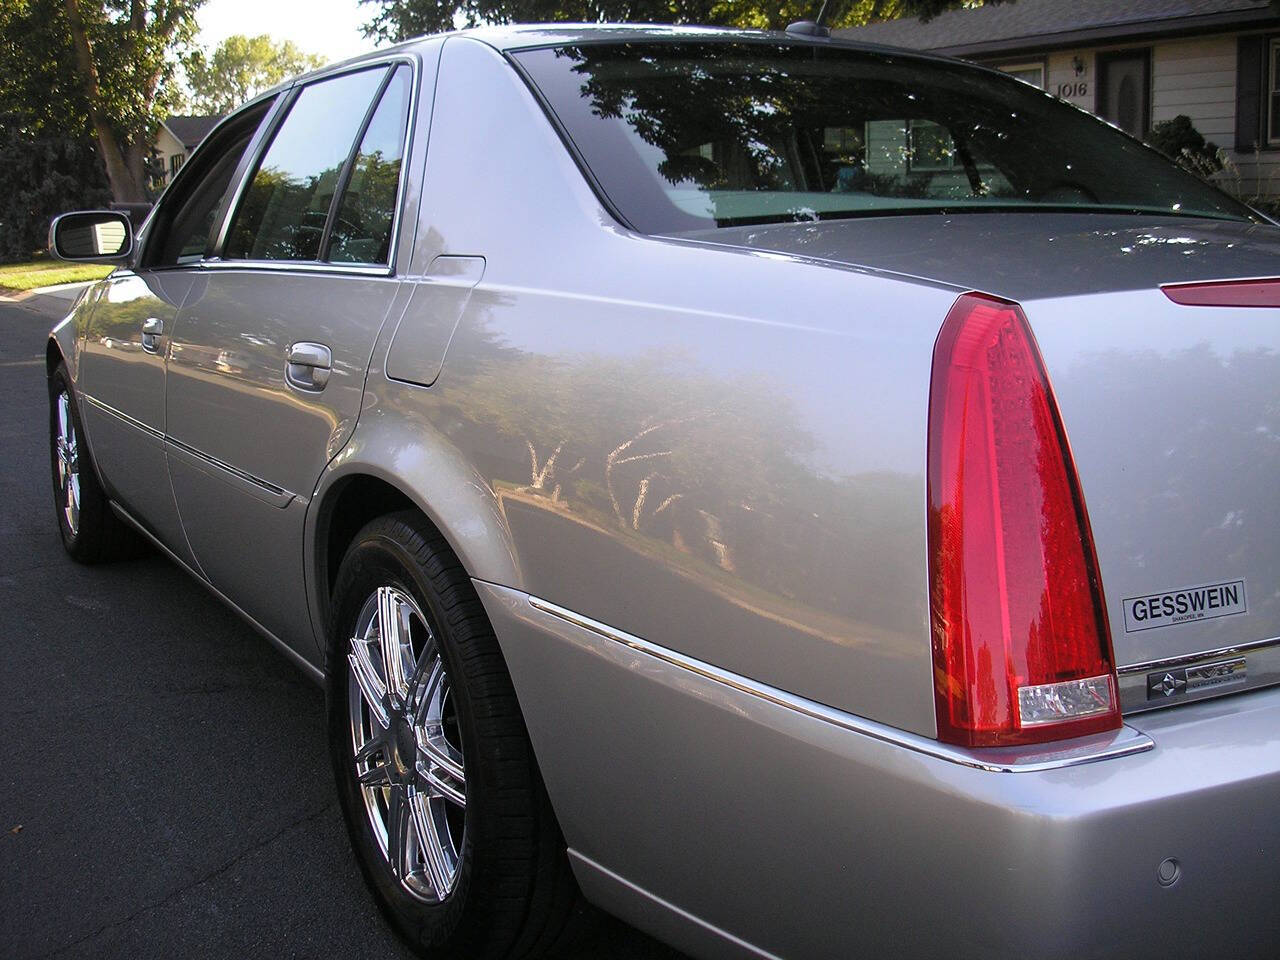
x=1088, y=851
x=732, y=825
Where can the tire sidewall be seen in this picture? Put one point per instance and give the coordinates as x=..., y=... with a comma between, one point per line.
x=381, y=559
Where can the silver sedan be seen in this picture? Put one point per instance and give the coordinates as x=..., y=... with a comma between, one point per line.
x=808, y=500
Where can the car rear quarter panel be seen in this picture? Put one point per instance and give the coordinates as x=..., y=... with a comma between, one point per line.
x=720, y=451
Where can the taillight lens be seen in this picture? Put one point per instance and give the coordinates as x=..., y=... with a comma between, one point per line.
x=1021, y=647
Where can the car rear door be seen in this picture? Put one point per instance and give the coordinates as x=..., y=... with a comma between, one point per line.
x=268, y=364
x=123, y=370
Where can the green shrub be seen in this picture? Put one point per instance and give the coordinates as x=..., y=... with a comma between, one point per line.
x=40, y=177
x=1181, y=142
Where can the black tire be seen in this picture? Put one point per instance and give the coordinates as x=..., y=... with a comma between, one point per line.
x=98, y=536
x=514, y=895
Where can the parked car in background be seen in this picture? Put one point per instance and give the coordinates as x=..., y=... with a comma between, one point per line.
x=808, y=499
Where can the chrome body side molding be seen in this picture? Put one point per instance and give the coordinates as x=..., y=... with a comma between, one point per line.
x=120, y=415
x=255, y=486
x=1121, y=743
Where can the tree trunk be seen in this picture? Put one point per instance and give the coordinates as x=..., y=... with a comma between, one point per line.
x=125, y=185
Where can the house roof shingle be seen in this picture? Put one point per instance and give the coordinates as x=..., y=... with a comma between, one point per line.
x=191, y=130
x=1039, y=24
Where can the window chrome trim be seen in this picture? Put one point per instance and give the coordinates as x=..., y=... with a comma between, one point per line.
x=1120, y=743
x=1273, y=87
x=284, y=106
x=295, y=266
x=248, y=166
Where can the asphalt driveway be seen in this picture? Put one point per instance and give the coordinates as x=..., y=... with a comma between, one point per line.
x=164, y=787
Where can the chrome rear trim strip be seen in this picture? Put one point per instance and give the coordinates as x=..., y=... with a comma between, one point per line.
x=1191, y=658
x=1147, y=686
x=1069, y=753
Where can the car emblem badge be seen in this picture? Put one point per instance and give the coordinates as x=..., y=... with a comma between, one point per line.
x=1171, y=683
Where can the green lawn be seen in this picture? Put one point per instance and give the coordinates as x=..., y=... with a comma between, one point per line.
x=15, y=277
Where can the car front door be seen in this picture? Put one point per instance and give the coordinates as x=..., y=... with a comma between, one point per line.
x=272, y=344
x=123, y=370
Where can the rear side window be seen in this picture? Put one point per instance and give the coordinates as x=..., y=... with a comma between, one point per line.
x=285, y=209
x=362, y=228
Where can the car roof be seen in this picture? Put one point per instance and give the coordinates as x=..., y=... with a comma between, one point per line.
x=524, y=36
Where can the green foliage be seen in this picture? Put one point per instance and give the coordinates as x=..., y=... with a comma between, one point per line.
x=401, y=19
x=240, y=68
x=42, y=175
x=1180, y=141
x=99, y=66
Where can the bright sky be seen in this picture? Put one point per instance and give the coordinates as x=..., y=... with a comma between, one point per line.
x=330, y=28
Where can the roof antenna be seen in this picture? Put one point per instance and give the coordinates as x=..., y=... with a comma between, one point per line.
x=811, y=28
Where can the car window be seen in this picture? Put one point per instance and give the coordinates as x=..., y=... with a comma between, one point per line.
x=186, y=217
x=361, y=231
x=690, y=136
x=284, y=210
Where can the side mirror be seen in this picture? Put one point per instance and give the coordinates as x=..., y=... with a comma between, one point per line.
x=91, y=236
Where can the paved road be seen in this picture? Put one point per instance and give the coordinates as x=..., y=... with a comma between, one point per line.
x=164, y=788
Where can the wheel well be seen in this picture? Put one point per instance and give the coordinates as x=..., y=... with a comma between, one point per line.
x=52, y=356
x=351, y=505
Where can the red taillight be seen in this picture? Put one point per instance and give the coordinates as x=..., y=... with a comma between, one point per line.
x=1021, y=648
x=1225, y=293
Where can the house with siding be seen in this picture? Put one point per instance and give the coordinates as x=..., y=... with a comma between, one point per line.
x=1134, y=63
x=175, y=140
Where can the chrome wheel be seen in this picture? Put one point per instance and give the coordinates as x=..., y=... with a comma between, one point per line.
x=67, y=452
x=404, y=735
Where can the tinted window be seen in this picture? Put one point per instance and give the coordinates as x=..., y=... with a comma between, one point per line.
x=283, y=213
x=362, y=231
x=185, y=219
x=685, y=136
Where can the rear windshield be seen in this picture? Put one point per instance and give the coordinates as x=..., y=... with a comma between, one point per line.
x=689, y=136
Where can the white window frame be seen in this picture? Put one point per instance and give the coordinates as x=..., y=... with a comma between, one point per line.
x=1029, y=65
x=1273, y=79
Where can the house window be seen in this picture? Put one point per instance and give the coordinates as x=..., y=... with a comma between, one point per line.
x=1032, y=73
x=1273, y=93
x=175, y=162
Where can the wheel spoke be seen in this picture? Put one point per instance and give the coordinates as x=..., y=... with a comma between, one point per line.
x=399, y=832
x=440, y=784
x=378, y=775
x=393, y=632
x=438, y=752
x=366, y=676
x=427, y=680
x=432, y=846
x=372, y=747
x=64, y=416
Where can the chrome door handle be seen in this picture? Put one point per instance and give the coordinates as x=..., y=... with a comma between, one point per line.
x=152, y=331
x=309, y=366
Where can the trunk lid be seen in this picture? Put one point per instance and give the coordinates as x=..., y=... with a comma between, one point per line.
x=1173, y=414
